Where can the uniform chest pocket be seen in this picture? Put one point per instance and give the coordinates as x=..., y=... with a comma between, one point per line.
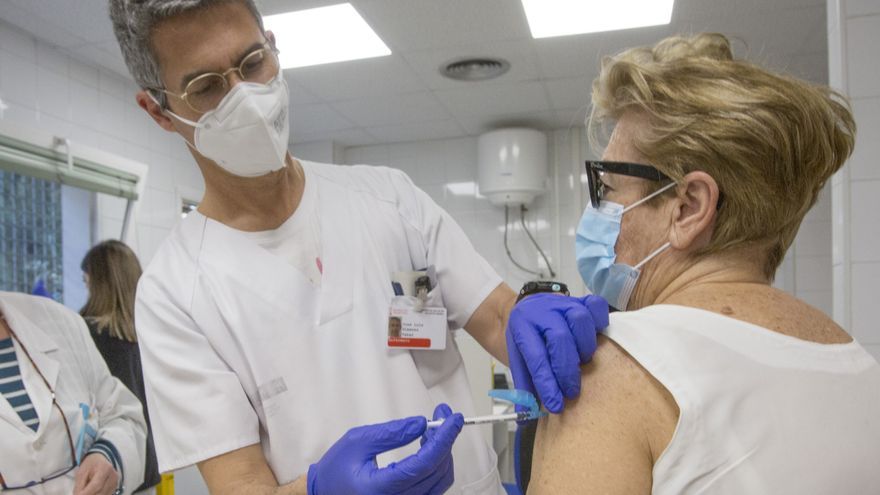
x=435, y=366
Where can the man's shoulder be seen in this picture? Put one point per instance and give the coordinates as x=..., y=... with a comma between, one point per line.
x=380, y=182
x=177, y=255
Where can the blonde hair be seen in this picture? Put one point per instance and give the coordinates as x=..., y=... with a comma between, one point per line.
x=769, y=140
x=113, y=271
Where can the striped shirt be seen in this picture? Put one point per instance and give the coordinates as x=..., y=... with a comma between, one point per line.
x=12, y=388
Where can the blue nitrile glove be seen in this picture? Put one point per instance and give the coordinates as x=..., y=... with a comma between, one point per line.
x=349, y=466
x=549, y=337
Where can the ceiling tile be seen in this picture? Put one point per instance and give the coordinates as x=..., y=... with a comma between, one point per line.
x=298, y=94
x=569, y=56
x=357, y=79
x=520, y=54
x=495, y=100
x=572, y=92
x=392, y=110
x=307, y=119
x=425, y=24
x=418, y=131
x=345, y=137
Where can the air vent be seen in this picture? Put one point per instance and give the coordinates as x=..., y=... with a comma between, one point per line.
x=475, y=68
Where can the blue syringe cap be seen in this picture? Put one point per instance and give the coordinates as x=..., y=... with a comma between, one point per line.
x=519, y=398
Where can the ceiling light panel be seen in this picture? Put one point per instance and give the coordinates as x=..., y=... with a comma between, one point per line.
x=324, y=35
x=549, y=18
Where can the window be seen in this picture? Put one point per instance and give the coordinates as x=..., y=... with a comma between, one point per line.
x=30, y=234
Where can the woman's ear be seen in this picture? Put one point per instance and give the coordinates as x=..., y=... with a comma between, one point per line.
x=693, y=218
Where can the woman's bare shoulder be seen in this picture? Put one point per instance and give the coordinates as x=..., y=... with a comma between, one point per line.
x=608, y=439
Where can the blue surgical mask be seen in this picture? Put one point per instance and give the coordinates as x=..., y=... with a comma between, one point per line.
x=596, y=237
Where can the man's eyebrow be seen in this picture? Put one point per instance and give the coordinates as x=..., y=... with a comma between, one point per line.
x=247, y=51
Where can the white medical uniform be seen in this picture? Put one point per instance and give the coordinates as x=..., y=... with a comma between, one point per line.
x=239, y=347
x=60, y=345
x=760, y=412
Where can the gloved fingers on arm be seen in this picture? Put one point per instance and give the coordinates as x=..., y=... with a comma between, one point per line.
x=519, y=371
x=583, y=328
x=530, y=343
x=564, y=359
x=598, y=308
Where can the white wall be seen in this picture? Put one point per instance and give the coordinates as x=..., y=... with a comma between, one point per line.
x=47, y=90
x=853, y=37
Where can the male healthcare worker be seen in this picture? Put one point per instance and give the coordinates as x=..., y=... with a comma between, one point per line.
x=263, y=319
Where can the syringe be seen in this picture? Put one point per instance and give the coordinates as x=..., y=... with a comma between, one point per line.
x=493, y=418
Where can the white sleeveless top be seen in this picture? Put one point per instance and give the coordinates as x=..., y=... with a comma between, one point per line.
x=761, y=412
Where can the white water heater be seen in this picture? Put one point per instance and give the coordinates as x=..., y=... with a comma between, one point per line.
x=512, y=165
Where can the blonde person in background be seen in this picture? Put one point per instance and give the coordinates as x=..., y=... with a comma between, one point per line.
x=709, y=380
x=111, y=271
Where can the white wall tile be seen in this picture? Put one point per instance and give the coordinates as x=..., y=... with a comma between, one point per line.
x=865, y=285
x=865, y=161
x=821, y=211
x=813, y=274
x=46, y=90
x=865, y=229
x=18, y=80
x=862, y=39
x=14, y=40
x=53, y=93
x=51, y=59
x=856, y=8
x=814, y=239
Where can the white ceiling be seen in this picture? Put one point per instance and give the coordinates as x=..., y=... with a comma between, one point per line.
x=402, y=97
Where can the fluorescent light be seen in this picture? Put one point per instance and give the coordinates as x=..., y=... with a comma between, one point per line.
x=548, y=18
x=324, y=35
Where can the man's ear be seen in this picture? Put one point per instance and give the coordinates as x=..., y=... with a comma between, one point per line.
x=693, y=218
x=145, y=101
x=271, y=37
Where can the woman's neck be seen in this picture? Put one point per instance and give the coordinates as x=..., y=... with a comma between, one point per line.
x=679, y=280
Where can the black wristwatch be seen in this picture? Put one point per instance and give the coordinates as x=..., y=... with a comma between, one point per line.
x=537, y=286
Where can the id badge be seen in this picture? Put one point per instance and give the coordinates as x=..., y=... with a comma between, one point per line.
x=416, y=318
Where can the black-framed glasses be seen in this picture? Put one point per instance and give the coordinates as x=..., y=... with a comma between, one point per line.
x=206, y=91
x=597, y=167
x=73, y=463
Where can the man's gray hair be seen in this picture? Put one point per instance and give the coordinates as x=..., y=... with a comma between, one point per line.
x=133, y=23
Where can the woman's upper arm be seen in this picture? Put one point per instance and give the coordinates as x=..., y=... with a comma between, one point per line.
x=601, y=443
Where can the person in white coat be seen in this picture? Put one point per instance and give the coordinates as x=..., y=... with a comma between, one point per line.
x=263, y=318
x=66, y=424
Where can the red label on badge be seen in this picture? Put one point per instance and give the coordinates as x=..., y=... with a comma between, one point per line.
x=407, y=342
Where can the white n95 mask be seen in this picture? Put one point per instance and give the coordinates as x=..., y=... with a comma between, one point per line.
x=248, y=132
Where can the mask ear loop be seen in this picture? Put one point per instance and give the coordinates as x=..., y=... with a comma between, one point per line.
x=664, y=247
x=179, y=118
x=653, y=255
x=648, y=197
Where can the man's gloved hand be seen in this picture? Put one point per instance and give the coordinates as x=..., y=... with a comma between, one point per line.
x=549, y=337
x=349, y=466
